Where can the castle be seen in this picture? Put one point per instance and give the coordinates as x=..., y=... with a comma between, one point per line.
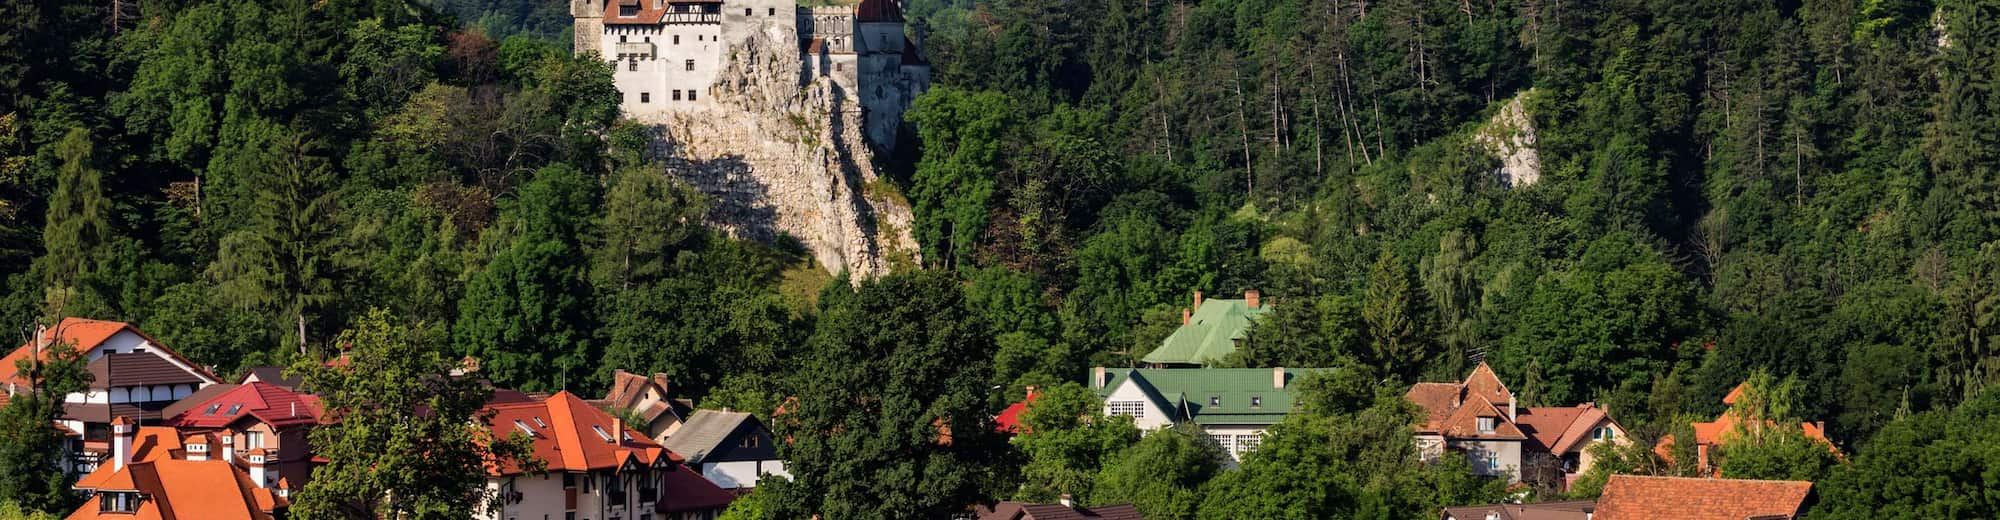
x=668, y=53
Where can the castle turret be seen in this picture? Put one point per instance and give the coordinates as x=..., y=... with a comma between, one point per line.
x=589, y=26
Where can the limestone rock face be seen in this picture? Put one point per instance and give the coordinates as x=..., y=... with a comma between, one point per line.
x=786, y=159
x=1510, y=137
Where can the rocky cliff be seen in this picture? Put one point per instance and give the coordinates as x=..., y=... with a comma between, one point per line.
x=784, y=160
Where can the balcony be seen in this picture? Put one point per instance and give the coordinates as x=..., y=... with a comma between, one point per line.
x=635, y=49
x=691, y=17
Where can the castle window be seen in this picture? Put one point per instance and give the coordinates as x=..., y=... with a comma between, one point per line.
x=649, y=39
x=690, y=95
x=773, y=12
x=632, y=64
x=690, y=65
x=645, y=97
x=746, y=11
x=677, y=95
x=621, y=38
x=677, y=39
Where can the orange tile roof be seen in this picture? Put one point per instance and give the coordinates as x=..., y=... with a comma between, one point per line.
x=1629, y=497
x=178, y=489
x=1437, y=400
x=1464, y=423
x=88, y=335
x=1713, y=433
x=1445, y=405
x=564, y=430
x=1559, y=429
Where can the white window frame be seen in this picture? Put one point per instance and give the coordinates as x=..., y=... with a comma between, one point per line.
x=1489, y=424
x=1133, y=409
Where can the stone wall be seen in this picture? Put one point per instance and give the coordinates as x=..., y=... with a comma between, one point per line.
x=785, y=160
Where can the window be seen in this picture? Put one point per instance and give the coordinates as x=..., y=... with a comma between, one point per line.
x=256, y=440
x=1256, y=401
x=599, y=430
x=212, y=408
x=649, y=39
x=1493, y=462
x=1486, y=425
x=750, y=441
x=690, y=95
x=1134, y=409
x=1215, y=400
x=569, y=480
x=632, y=64
x=1604, y=434
x=690, y=65
x=628, y=11
x=677, y=94
x=746, y=11
x=1248, y=443
x=773, y=12
x=677, y=39
x=235, y=408
x=538, y=420
x=621, y=38
x=118, y=502
x=530, y=432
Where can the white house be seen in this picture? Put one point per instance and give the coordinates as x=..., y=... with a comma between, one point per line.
x=1233, y=406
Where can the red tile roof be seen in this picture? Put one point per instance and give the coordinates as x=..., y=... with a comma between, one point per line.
x=1713, y=433
x=1009, y=420
x=1024, y=511
x=177, y=489
x=1464, y=423
x=1628, y=497
x=1454, y=409
x=272, y=404
x=565, y=429
x=1559, y=429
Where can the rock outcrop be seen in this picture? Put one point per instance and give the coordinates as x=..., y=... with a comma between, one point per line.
x=1510, y=137
x=785, y=160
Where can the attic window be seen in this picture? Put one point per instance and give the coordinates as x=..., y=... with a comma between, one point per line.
x=1486, y=424
x=601, y=434
x=524, y=428
x=235, y=408
x=212, y=408
x=117, y=502
x=1603, y=434
x=1215, y=400
x=1256, y=401
x=539, y=423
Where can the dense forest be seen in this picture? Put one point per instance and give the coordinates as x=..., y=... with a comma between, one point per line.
x=1805, y=193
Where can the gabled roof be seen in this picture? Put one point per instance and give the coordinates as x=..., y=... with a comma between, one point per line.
x=200, y=395
x=1024, y=511
x=1464, y=422
x=272, y=375
x=1009, y=420
x=1482, y=382
x=565, y=433
x=1559, y=429
x=1210, y=334
x=140, y=369
x=646, y=397
x=272, y=404
x=178, y=489
x=1629, y=497
x=683, y=490
x=88, y=335
x=1214, y=395
x=1566, y=510
x=703, y=432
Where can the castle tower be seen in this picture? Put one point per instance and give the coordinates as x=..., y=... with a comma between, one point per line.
x=589, y=26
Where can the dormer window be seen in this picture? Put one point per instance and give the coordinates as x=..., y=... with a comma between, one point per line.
x=235, y=408
x=212, y=408
x=117, y=502
x=1215, y=400
x=524, y=428
x=198, y=448
x=1256, y=401
x=1487, y=424
x=601, y=433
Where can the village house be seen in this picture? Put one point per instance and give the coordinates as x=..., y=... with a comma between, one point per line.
x=1065, y=510
x=647, y=399
x=597, y=468
x=1709, y=435
x=1632, y=497
x=668, y=54
x=157, y=472
x=134, y=377
x=1482, y=419
x=253, y=416
x=1210, y=331
x=1564, y=510
x=732, y=449
x=1233, y=406
x=1009, y=420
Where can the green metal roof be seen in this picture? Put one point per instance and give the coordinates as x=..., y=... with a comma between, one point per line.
x=1210, y=334
x=1213, y=395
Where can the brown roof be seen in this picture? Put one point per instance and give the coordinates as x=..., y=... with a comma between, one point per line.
x=1464, y=423
x=1437, y=399
x=1559, y=429
x=139, y=368
x=878, y=11
x=1569, y=510
x=200, y=395
x=87, y=335
x=1023, y=511
x=1628, y=497
x=1482, y=382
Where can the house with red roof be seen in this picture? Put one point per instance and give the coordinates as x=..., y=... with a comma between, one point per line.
x=648, y=400
x=157, y=472
x=1481, y=418
x=597, y=468
x=253, y=416
x=1009, y=420
x=133, y=376
x=1632, y=497
x=1709, y=435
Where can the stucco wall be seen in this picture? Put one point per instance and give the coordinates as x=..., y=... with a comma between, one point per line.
x=1152, y=418
x=1478, y=453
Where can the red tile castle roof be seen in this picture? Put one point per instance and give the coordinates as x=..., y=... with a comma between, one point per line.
x=1629, y=497
x=878, y=11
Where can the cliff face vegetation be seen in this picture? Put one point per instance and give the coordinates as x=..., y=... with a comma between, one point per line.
x=785, y=162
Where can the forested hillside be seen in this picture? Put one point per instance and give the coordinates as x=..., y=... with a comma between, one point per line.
x=1800, y=192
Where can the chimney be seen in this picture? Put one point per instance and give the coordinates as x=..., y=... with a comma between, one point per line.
x=1197, y=300
x=197, y=449
x=660, y=380
x=1067, y=501
x=1278, y=378
x=1250, y=298
x=1513, y=408
x=228, y=447
x=121, y=442
x=617, y=429
x=1701, y=458
x=1097, y=378
x=256, y=457
x=1186, y=316
x=1031, y=391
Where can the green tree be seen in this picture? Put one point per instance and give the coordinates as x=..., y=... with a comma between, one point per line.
x=412, y=440
x=1780, y=452
x=1926, y=465
x=76, y=234
x=1393, y=314
x=890, y=419
x=31, y=474
x=1161, y=475
x=283, y=262
x=953, y=188
x=525, y=315
x=1067, y=441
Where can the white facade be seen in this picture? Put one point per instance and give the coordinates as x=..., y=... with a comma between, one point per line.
x=1234, y=439
x=742, y=473
x=666, y=54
